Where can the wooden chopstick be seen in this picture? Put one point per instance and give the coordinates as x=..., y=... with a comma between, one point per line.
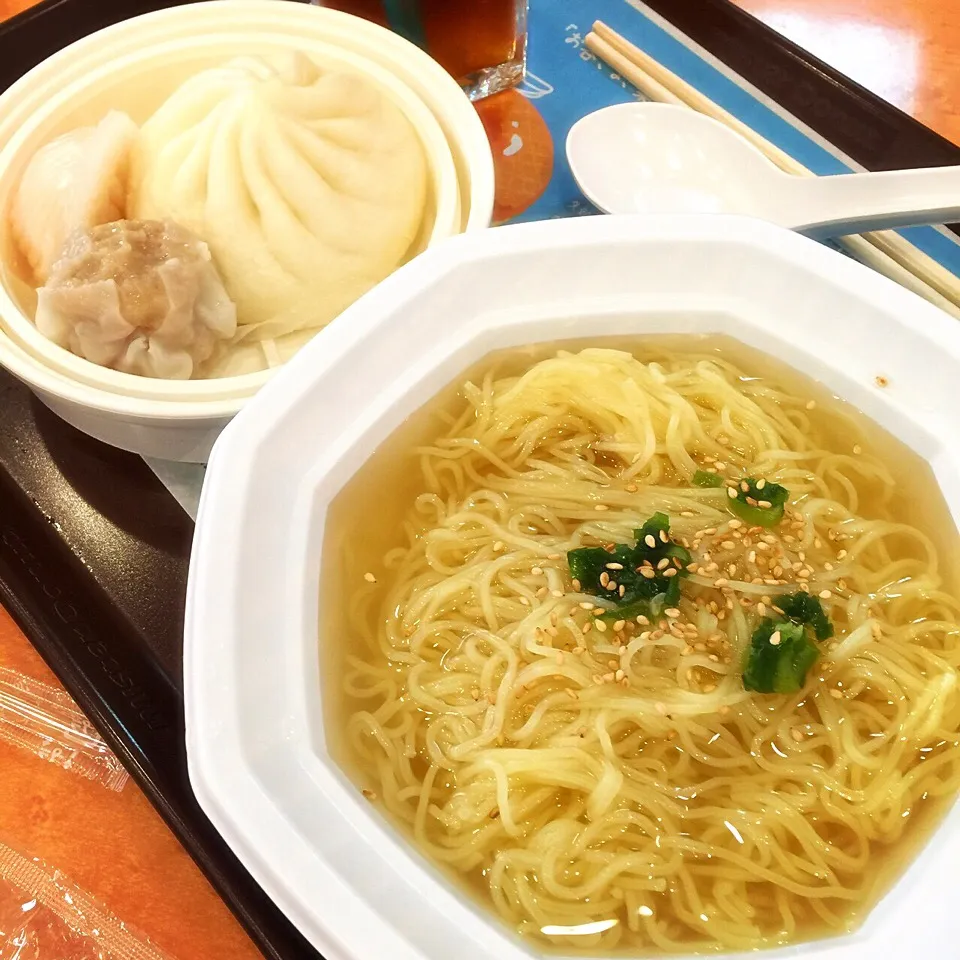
x=886, y=252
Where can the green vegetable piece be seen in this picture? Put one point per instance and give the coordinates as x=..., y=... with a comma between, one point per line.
x=778, y=667
x=806, y=610
x=653, y=593
x=703, y=479
x=759, y=516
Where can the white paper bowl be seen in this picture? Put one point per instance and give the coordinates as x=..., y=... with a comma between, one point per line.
x=119, y=84
x=102, y=402
x=257, y=756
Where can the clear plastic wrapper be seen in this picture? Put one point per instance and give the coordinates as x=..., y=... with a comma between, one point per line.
x=44, y=719
x=43, y=916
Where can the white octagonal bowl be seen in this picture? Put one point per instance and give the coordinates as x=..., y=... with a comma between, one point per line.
x=257, y=757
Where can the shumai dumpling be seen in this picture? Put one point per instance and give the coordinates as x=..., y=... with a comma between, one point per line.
x=140, y=296
x=309, y=185
x=77, y=181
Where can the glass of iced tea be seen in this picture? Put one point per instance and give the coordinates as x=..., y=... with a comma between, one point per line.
x=481, y=42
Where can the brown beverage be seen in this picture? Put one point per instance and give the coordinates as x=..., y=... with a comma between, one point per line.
x=480, y=42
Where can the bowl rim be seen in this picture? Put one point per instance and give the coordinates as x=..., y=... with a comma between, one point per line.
x=221, y=744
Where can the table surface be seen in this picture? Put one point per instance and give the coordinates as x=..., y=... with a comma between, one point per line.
x=114, y=845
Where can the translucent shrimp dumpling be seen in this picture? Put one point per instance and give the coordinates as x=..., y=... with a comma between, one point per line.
x=309, y=185
x=140, y=296
x=76, y=181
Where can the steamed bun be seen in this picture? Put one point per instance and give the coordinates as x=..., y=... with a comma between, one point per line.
x=308, y=185
x=74, y=182
x=142, y=297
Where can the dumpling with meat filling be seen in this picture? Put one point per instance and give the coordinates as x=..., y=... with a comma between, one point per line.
x=140, y=296
x=308, y=183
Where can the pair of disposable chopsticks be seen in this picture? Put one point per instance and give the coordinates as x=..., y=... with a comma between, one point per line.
x=886, y=252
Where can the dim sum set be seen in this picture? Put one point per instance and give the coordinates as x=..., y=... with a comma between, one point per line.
x=262, y=198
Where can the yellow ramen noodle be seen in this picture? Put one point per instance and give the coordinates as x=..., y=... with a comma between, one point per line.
x=608, y=785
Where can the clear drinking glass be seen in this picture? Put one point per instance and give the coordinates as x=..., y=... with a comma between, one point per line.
x=482, y=43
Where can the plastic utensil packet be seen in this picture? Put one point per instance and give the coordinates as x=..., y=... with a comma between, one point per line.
x=43, y=916
x=44, y=719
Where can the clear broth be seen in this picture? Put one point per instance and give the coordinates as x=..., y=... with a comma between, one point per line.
x=359, y=537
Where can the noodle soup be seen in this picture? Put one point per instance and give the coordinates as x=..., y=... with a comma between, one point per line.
x=651, y=644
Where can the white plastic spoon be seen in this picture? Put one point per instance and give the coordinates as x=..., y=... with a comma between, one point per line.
x=660, y=158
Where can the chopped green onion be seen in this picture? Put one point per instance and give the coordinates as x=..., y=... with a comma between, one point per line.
x=806, y=610
x=624, y=582
x=761, y=504
x=779, y=657
x=704, y=479
x=781, y=651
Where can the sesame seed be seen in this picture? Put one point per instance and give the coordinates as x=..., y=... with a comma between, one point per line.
x=619, y=674
x=811, y=404
x=803, y=574
x=542, y=592
x=841, y=554
x=370, y=578
x=609, y=677
x=525, y=601
x=650, y=540
x=614, y=566
x=764, y=504
x=720, y=582
x=735, y=524
x=643, y=621
x=744, y=486
x=619, y=625
x=575, y=583
x=709, y=688
x=600, y=507
x=586, y=605
x=728, y=545
x=761, y=484
x=623, y=589
x=672, y=612
x=631, y=488
x=553, y=556
x=587, y=627
x=762, y=609
x=732, y=493
x=732, y=569
x=672, y=572
x=663, y=536
x=556, y=593
x=797, y=735
x=664, y=562
x=825, y=594
x=687, y=513
x=836, y=694
x=647, y=572
x=536, y=571
x=600, y=625
x=604, y=578
x=751, y=501
x=498, y=546
x=775, y=638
